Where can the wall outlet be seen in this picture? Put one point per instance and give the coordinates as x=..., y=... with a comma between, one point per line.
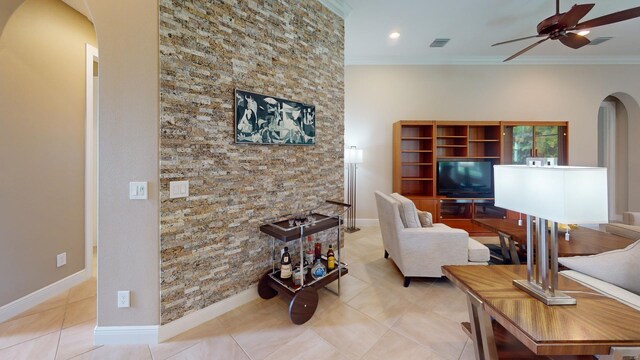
x=61, y=259
x=123, y=299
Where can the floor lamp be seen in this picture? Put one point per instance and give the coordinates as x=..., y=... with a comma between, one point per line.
x=552, y=194
x=352, y=157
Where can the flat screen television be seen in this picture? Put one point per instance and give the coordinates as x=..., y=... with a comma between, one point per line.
x=465, y=178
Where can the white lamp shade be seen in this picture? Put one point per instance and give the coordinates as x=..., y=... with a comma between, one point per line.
x=353, y=155
x=565, y=194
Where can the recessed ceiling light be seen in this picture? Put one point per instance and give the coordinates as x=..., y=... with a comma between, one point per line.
x=394, y=35
x=583, y=32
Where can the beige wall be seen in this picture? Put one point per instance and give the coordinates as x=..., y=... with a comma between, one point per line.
x=377, y=96
x=42, y=101
x=128, y=251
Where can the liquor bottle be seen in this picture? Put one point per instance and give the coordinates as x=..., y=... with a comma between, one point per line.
x=285, y=264
x=331, y=259
x=309, y=255
x=318, y=270
x=318, y=250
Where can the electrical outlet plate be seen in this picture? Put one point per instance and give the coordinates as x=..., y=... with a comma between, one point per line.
x=61, y=259
x=124, y=300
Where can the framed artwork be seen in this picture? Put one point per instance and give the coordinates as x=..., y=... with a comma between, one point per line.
x=262, y=119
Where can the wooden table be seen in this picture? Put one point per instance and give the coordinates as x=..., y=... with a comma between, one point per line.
x=591, y=327
x=584, y=241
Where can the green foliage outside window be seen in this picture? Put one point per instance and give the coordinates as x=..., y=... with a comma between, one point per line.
x=546, y=138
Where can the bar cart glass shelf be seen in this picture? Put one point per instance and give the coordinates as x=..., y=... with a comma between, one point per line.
x=304, y=297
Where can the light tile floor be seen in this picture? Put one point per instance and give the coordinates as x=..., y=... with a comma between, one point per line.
x=375, y=317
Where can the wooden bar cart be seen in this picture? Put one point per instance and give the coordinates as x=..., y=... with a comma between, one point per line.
x=304, y=297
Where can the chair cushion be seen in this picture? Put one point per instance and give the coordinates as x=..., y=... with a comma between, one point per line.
x=477, y=251
x=426, y=219
x=408, y=211
x=618, y=267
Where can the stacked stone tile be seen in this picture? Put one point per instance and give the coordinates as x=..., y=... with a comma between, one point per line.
x=210, y=242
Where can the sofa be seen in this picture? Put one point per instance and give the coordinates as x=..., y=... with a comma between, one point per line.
x=629, y=228
x=422, y=251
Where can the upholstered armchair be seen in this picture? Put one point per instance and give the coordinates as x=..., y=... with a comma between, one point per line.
x=422, y=251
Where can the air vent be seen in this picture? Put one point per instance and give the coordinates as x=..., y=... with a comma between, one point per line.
x=599, y=40
x=439, y=42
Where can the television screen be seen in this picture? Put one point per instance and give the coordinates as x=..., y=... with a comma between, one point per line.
x=465, y=178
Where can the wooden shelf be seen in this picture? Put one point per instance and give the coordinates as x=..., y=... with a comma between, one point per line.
x=485, y=140
x=417, y=151
x=416, y=179
x=417, y=164
x=417, y=138
x=452, y=146
x=452, y=136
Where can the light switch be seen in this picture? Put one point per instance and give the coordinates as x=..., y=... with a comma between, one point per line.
x=138, y=190
x=178, y=189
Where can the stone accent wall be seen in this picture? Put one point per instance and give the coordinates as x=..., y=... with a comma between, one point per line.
x=211, y=247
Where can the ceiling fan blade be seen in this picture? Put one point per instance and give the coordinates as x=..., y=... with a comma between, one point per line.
x=609, y=19
x=574, y=41
x=577, y=12
x=526, y=49
x=514, y=40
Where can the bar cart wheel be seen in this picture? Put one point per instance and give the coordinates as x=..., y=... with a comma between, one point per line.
x=303, y=305
x=264, y=289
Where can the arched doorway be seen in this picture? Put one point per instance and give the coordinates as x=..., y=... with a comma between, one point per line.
x=43, y=146
x=617, y=117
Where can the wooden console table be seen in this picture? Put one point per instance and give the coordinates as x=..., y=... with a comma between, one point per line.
x=591, y=327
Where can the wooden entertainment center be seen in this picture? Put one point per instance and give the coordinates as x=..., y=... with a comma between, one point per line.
x=418, y=146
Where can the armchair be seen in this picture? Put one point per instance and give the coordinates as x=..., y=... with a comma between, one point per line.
x=421, y=252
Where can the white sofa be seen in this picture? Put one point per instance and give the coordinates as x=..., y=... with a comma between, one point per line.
x=630, y=227
x=421, y=252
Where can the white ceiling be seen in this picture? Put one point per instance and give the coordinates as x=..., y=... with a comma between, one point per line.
x=472, y=26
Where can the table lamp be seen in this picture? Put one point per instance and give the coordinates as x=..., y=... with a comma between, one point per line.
x=565, y=194
x=352, y=157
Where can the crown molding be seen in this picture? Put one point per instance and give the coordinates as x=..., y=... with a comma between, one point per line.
x=491, y=60
x=339, y=7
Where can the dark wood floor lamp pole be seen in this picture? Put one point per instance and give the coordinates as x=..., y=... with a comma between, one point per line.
x=353, y=157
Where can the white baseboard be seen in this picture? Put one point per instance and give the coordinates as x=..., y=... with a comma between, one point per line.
x=199, y=317
x=120, y=335
x=154, y=334
x=28, y=301
x=367, y=222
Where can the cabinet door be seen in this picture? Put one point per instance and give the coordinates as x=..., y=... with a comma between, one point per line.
x=549, y=142
x=523, y=141
x=429, y=205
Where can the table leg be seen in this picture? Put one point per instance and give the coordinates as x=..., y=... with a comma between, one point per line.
x=484, y=343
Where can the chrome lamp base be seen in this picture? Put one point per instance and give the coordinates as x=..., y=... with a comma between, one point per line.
x=557, y=298
x=351, y=230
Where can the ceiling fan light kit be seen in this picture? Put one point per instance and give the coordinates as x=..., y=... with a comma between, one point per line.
x=561, y=26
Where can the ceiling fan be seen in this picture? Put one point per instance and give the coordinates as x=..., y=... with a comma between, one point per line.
x=561, y=26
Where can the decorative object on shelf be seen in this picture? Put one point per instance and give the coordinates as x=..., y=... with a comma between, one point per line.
x=318, y=270
x=566, y=194
x=352, y=157
x=262, y=119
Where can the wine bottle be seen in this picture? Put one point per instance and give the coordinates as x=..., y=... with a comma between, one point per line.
x=331, y=259
x=285, y=264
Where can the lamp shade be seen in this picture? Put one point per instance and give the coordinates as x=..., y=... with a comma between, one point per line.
x=565, y=194
x=353, y=155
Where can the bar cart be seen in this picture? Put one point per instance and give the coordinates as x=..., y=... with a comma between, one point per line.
x=304, y=297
